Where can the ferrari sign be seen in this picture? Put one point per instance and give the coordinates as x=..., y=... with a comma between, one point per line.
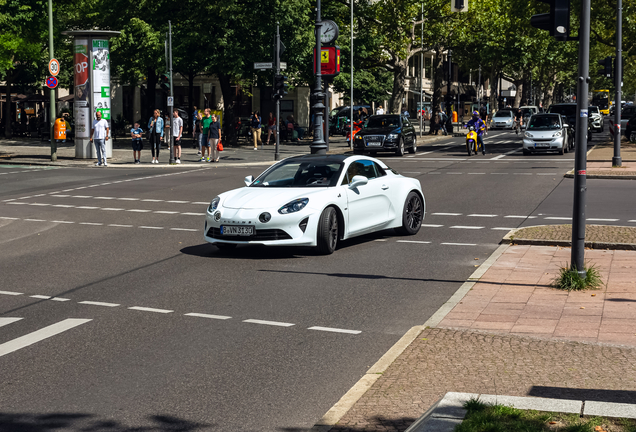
x=329, y=61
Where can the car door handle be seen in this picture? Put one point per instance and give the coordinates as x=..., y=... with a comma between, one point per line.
x=384, y=187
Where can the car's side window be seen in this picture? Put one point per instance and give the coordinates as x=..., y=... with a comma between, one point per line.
x=379, y=170
x=361, y=167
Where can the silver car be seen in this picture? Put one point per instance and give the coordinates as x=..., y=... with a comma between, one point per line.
x=503, y=119
x=547, y=133
x=596, y=118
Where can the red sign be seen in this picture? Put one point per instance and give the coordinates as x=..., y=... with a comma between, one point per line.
x=81, y=69
x=51, y=82
x=329, y=61
x=581, y=172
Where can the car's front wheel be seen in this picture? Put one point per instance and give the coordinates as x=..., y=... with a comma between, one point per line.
x=413, y=148
x=412, y=215
x=327, y=235
x=400, y=149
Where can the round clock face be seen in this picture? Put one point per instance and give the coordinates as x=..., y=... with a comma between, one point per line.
x=328, y=31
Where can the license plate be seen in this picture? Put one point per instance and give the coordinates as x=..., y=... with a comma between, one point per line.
x=374, y=143
x=237, y=230
x=541, y=145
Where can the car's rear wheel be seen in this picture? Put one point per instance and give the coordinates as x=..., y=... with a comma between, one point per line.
x=413, y=149
x=327, y=236
x=225, y=246
x=412, y=214
x=400, y=149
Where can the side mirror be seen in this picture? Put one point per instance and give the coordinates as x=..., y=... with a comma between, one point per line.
x=566, y=126
x=358, y=181
x=249, y=180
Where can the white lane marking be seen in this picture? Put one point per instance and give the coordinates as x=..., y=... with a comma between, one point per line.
x=446, y=214
x=11, y=293
x=119, y=225
x=81, y=196
x=39, y=335
x=200, y=315
x=9, y=218
x=62, y=222
x=60, y=299
x=467, y=227
x=476, y=173
x=139, y=210
x=482, y=215
x=112, y=209
x=432, y=225
x=178, y=202
x=413, y=241
x=165, y=212
x=522, y=173
x=39, y=204
x=63, y=205
x=91, y=223
x=7, y=321
x=35, y=220
x=502, y=229
x=147, y=309
x=200, y=203
x=184, y=229
x=272, y=323
x=96, y=303
x=152, y=200
x=193, y=214
x=104, y=198
x=558, y=218
x=380, y=240
x=87, y=207
x=499, y=173
x=151, y=227
x=460, y=244
x=520, y=217
x=38, y=296
x=601, y=220
x=60, y=196
x=334, y=330
x=128, y=199
x=17, y=203
x=436, y=172
x=633, y=220
x=505, y=154
x=455, y=173
x=412, y=172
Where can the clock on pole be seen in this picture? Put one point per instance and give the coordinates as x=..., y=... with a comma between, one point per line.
x=328, y=32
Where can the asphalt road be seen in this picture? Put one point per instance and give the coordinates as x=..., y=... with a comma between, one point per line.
x=127, y=319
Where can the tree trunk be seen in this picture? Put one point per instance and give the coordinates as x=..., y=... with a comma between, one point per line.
x=229, y=132
x=549, y=95
x=7, y=109
x=519, y=94
x=191, y=76
x=399, y=80
x=438, y=84
x=494, y=90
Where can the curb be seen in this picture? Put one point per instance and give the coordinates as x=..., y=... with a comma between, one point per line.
x=510, y=239
x=449, y=411
x=570, y=174
x=354, y=394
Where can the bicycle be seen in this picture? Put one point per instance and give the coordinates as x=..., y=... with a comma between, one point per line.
x=517, y=126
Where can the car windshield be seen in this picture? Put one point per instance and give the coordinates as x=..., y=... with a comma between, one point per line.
x=503, y=114
x=390, y=121
x=593, y=109
x=566, y=110
x=545, y=122
x=296, y=173
x=527, y=111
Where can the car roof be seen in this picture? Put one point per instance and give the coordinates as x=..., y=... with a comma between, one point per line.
x=334, y=158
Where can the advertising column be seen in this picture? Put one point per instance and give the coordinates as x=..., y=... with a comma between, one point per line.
x=82, y=104
x=101, y=85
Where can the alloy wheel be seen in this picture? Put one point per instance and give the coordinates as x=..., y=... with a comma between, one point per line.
x=414, y=212
x=333, y=231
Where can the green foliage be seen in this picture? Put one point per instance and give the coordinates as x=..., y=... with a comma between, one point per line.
x=570, y=280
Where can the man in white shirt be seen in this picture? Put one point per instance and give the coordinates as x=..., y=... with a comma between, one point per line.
x=380, y=110
x=99, y=135
x=177, y=130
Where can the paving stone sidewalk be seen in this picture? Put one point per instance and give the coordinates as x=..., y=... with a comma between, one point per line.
x=563, y=233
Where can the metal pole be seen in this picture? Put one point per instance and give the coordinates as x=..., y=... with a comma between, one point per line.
x=277, y=60
x=479, y=91
x=448, y=89
x=52, y=114
x=351, y=100
x=580, y=161
x=318, y=145
x=421, y=110
x=616, y=160
x=172, y=161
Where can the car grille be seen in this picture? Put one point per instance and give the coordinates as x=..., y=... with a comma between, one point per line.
x=261, y=235
x=368, y=138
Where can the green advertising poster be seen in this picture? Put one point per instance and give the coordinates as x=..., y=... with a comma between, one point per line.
x=105, y=92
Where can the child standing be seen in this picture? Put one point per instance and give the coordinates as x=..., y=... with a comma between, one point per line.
x=137, y=143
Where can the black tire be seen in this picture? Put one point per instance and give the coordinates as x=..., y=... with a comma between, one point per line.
x=400, y=149
x=562, y=150
x=526, y=152
x=412, y=214
x=469, y=149
x=413, y=148
x=328, y=230
x=225, y=247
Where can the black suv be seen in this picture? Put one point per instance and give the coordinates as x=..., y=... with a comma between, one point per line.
x=569, y=111
x=384, y=133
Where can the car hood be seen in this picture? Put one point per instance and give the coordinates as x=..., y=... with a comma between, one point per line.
x=265, y=197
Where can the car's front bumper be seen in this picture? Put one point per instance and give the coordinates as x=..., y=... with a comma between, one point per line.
x=596, y=123
x=543, y=144
x=281, y=230
x=502, y=125
x=387, y=145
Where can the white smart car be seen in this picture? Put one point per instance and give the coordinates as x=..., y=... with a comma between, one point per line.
x=315, y=200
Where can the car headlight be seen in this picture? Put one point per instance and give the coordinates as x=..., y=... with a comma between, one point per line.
x=393, y=136
x=527, y=135
x=557, y=134
x=358, y=137
x=294, y=206
x=214, y=204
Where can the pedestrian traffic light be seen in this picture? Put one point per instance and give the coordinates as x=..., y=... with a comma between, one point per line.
x=607, y=67
x=557, y=22
x=164, y=81
x=280, y=86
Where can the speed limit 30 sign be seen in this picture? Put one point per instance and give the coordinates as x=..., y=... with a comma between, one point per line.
x=54, y=67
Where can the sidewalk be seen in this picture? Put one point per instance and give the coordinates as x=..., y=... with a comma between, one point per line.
x=32, y=151
x=508, y=332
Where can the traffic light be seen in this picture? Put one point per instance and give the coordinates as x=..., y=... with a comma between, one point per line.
x=164, y=81
x=280, y=86
x=607, y=67
x=557, y=22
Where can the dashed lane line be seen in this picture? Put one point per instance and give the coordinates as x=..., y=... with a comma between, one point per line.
x=482, y=215
x=446, y=214
x=460, y=244
x=271, y=323
x=202, y=315
x=96, y=303
x=334, y=330
x=413, y=241
x=467, y=227
x=11, y=293
x=147, y=309
x=168, y=212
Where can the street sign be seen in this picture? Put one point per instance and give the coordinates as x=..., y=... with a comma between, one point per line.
x=170, y=101
x=51, y=82
x=54, y=67
x=329, y=61
x=269, y=65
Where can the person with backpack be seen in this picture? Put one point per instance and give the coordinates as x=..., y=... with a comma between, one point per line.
x=443, y=118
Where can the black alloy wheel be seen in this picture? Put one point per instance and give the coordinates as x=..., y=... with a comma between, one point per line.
x=400, y=149
x=412, y=215
x=328, y=229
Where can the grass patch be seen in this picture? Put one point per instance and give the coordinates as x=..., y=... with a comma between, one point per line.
x=570, y=280
x=498, y=418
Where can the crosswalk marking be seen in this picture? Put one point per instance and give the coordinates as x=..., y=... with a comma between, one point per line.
x=40, y=335
x=7, y=321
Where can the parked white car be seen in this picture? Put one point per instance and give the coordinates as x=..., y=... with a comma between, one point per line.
x=315, y=200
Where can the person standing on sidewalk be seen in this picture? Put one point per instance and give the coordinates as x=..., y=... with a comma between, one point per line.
x=99, y=135
x=255, y=126
x=155, y=128
x=197, y=132
x=137, y=142
x=205, y=128
x=177, y=132
x=214, y=137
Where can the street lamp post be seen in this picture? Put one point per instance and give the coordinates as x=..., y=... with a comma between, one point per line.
x=616, y=159
x=421, y=110
x=318, y=145
x=52, y=114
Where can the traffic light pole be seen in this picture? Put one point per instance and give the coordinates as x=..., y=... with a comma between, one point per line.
x=580, y=161
x=171, y=108
x=618, y=74
x=449, y=113
x=318, y=145
x=277, y=60
x=52, y=114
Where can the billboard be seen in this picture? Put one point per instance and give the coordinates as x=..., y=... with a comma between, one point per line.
x=81, y=71
x=101, y=77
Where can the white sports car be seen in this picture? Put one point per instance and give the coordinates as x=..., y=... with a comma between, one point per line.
x=315, y=200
